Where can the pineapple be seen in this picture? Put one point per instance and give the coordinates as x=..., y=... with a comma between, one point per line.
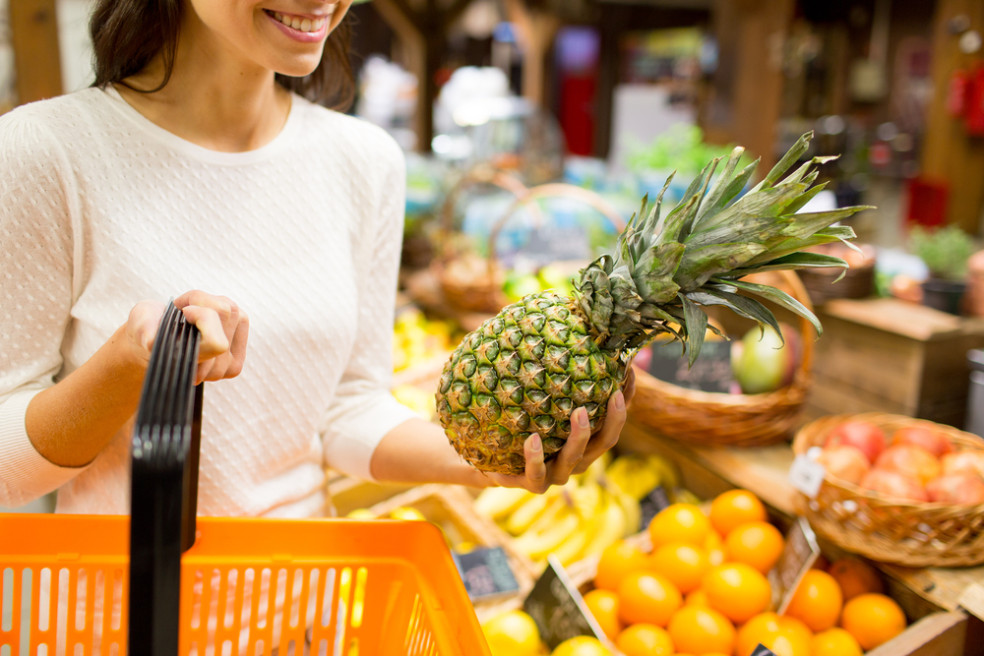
x=526, y=369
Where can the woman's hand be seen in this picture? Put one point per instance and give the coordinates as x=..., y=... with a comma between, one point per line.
x=582, y=448
x=223, y=326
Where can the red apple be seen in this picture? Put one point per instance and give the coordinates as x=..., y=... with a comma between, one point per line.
x=964, y=461
x=865, y=435
x=932, y=440
x=963, y=489
x=845, y=462
x=913, y=461
x=894, y=485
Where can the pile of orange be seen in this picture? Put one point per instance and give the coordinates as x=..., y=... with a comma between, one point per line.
x=703, y=590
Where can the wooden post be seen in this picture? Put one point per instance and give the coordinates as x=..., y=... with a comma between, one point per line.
x=34, y=35
x=423, y=33
x=744, y=105
x=536, y=31
x=949, y=153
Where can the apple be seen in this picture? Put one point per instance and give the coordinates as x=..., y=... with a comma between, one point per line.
x=865, y=435
x=913, y=461
x=963, y=489
x=845, y=462
x=893, y=485
x=932, y=440
x=760, y=361
x=963, y=461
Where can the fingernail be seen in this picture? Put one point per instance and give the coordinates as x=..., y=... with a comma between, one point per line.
x=582, y=417
x=619, y=401
x=536, y=445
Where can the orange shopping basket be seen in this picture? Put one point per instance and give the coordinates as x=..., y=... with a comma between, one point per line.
x=161, y=582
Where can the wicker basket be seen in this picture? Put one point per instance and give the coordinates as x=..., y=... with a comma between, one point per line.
x=714, y=418
x=472, y=284
x=888, y=530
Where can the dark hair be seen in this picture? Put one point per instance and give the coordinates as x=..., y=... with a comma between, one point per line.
x=128, y=34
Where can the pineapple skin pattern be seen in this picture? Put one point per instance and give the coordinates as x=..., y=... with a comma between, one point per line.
x=526, y=369
x=522, y=372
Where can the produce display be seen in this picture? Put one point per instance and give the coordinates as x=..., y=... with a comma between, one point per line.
x=583, y=517
x=701, y=586
x=526, y=369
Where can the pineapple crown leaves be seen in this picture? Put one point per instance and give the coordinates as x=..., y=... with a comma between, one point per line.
x=665, y=268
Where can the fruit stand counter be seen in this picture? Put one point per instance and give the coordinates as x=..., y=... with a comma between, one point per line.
x=765, y=471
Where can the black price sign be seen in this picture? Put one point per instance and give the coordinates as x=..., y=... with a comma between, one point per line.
x=710, y=373
x=652, y=503
x=486, y=572
x=558, y=609
x=798, y=556
x=762, y=651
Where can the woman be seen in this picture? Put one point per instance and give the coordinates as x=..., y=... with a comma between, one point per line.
x=195, y=162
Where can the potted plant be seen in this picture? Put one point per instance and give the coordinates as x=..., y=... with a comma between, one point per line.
x=945, y=251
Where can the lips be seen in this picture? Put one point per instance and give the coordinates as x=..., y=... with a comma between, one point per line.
x=306, y=24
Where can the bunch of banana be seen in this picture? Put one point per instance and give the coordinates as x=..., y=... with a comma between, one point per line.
x=418, y=339
x=571, y=521
x=637, y=474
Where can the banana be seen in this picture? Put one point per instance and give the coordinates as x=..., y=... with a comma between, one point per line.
x=538, y=544
x=605, y=528
x=527, y=511
x=499, y=502
x=573, y=548
x=631, y=510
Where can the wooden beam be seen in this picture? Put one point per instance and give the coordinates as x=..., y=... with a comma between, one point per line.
x=949, y=154
x=34, y=35
x=535, y=31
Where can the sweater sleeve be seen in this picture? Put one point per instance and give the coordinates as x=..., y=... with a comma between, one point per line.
x=364, y=410
x=36, y=269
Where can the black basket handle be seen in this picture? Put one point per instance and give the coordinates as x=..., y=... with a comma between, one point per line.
x=163, y=485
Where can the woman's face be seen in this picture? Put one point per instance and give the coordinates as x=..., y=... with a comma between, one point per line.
x=285, y=36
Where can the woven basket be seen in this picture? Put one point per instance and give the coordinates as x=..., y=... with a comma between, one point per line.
x=720, y=419
x=888, y=530
x=472, y=285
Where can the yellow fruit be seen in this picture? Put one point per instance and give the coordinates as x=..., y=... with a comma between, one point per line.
x=581, y=646
x=758, y=544
x=645, y=640
x=512, y=633
x=603, y=605
x=701, y=630
x=873, y=619
x=817, y=601
x=834, y=642
x=737, y=590
x=683, y=564
x=679, y=522
x=361, y=513
x=733, y=508
x=407, y=513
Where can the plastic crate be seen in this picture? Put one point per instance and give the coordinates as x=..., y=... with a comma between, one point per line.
x=248, y=586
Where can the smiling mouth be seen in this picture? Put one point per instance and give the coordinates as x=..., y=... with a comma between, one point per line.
x=302, y=24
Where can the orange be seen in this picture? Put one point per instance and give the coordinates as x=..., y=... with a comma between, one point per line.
x=817, y=600
x=603, y=605
x=581, y=646
x=701, y=630
x=855, y=577
x=617, y=560
x=737, y=590
x=714, y=546
x=758, y=544
x=647, y=597
x=645, y=640
x=679, y=522
x=872, y=618
x=696, y=598
x=756, y=630
x=683, y=564
x=789, y=643
x=733, y=508
x=834, y=642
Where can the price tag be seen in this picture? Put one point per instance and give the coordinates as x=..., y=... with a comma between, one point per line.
x=761, y=650
x=558, y=609
x=806, y=475
x=798, y=556
x=710, y=373
x=486, y=572
x=652, y=503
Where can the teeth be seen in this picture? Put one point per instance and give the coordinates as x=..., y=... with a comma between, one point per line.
x=301, y=24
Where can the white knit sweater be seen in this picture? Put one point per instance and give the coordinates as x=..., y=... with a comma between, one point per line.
x=100, y=209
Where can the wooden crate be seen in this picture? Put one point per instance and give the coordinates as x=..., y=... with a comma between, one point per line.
x=886, y=355
x=930, y=597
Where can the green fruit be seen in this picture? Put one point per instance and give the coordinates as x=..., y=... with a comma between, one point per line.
x=760, y=361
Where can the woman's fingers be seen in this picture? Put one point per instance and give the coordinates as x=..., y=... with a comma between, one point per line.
x=224, y=330
x=570, y=457
x=536, y=470
x=608, y=435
